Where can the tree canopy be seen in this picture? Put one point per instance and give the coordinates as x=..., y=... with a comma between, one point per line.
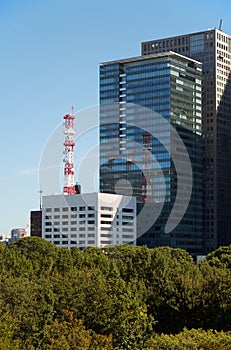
x=119, y=297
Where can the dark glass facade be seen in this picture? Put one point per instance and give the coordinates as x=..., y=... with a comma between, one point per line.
x=213, y=49
x=140, y=100
x=36, y=223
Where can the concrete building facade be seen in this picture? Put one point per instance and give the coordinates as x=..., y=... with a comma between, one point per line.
x=88, y=219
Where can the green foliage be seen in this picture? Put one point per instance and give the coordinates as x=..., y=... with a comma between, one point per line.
x=119, y=297
x=221, y=257
x=72, y=335
x=171, y=288
x=131, y=261
x=40, y=252
x=194, y=339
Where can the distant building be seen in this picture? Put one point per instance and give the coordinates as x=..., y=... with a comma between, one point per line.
x=4, y=239
x=89, y=219
x=36, y=223
x=16, y=234
x=212, y=47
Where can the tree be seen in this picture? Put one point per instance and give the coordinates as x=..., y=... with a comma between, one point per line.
x=171, y=293
x=72, y=335
x=40, y=252
x=191, y=339
x=221, y=257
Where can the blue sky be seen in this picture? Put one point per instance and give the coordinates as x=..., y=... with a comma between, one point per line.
x=50, y=55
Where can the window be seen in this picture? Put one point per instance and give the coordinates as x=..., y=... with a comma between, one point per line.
x=197, y=44
x=127, y=223
x=47, y=236
x=106, y=216
x=82, y=215
x=48, y=210
x=56, y=209
x=128, y=217
x=106, y=208
x=73, y=208
x=127, y=210
x=91, y=208
x=127, y=236
x=91, y=222
x=48, y=230
x=82, y=208
x=65, y=209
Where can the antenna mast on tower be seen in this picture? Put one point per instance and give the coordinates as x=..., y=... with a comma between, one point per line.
x=69, y=144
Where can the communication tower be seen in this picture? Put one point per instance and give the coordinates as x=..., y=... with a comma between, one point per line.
x=69, y=144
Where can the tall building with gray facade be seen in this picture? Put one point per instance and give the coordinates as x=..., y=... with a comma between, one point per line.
x=141, y=98
x=213, y=49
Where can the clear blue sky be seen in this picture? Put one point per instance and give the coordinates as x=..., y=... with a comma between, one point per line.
x=50, y=54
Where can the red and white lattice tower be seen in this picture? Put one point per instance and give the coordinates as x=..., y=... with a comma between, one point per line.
x=69, y=144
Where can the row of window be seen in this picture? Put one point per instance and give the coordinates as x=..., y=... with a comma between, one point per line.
x=82, y=208
x=66, y=209
x=72, y=216
x=166, y=43
x=73, y=243
x=66, y=223
x=81, y=235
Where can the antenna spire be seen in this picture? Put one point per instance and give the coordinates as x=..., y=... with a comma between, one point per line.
x=220, y=25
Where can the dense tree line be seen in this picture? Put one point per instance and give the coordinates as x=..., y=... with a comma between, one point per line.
x=120, y=297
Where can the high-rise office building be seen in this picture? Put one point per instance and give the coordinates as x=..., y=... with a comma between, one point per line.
x=136, y=145
x=213, y=49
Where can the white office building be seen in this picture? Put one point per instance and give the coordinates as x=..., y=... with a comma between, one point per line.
x=89, y=219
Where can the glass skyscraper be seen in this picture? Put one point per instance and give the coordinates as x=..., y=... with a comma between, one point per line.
x=213, y=49
x=141, y=100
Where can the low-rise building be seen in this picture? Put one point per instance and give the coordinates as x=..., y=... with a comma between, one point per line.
x=89, y=219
